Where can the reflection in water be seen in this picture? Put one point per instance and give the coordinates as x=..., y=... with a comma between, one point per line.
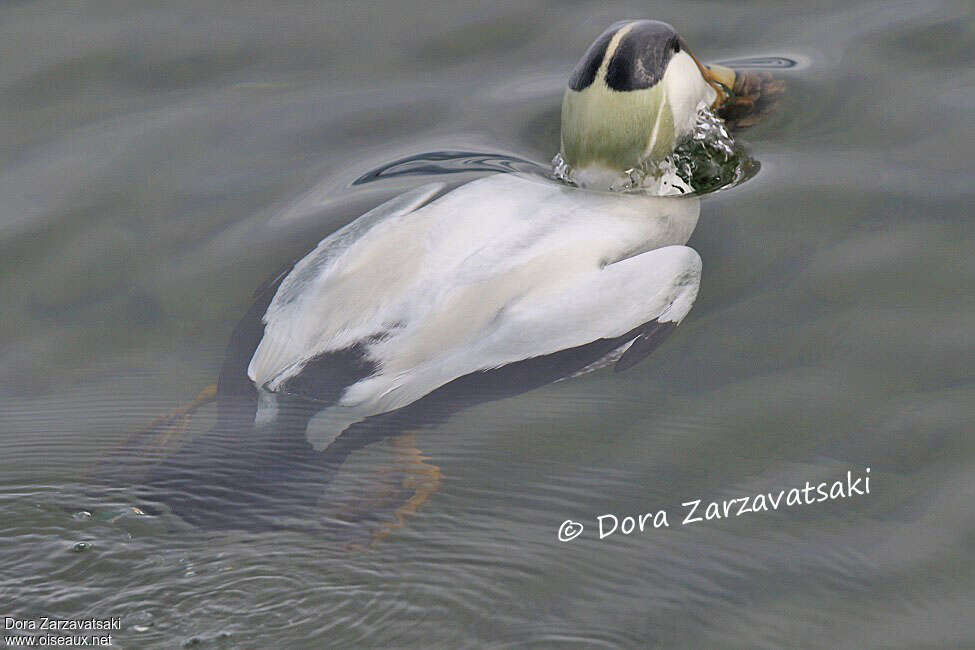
x=760, y=63
x=450, y=162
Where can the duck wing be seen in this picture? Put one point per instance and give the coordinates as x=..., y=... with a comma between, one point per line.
x=284, y=341
x=554, y=333
x=499, y=271
x=640, y=348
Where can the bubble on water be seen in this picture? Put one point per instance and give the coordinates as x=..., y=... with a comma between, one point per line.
x=142, y=621
x=81, y=547
x=81, y=515
x=196, y=641
x=125, y=513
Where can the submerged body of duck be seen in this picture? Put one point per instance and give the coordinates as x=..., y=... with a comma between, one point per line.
x=506, y=283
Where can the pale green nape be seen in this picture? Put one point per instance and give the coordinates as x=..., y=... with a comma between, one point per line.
x=613, y=129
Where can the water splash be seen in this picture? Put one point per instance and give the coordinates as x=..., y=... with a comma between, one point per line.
x=710, y=159
x=561, y=170
x=707, y=161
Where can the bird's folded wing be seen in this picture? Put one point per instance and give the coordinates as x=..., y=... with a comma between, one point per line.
x=285, y=340
x=656, y=288
x=659, y=285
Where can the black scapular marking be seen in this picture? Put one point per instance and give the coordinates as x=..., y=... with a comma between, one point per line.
x=326, y=377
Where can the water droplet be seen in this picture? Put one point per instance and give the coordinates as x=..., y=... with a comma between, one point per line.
x=561, y=171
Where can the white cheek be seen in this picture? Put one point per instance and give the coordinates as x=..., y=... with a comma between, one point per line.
x=686, y=91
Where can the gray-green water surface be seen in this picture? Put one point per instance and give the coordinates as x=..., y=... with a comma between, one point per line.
x=161, y=160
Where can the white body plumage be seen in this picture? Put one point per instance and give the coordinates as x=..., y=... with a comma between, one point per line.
x=502, y=269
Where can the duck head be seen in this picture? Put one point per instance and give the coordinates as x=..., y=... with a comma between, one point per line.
x=631, y=99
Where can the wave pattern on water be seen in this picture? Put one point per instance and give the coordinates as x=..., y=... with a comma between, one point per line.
x=152, y=147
